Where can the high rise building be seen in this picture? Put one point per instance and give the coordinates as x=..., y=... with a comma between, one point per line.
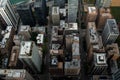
x=103, y=15
x=110, y=32
x=15, y=74
x=72, y=64
x=91, y=14
x=7, y=15
x=99, y=64
x=116, y=75
x=72, y=10
x=93, y=41
x=103, y=3
x=25, y=32
x=60, y=3
x=55, y=15
x=30, y=56
x=40, y=12
x=26, y=14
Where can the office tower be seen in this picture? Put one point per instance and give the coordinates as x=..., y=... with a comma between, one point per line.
x=93, y=41
x=99, y=64
x=15, y=74
x=30, y=56
x=6, y=42
x=60, y=3
x=72, y=59
x=40, y=12
x=26, y=14
x=103, y=3
x=104, y=14
x=92, y=36
x=7, y=15
x=14, y=57
x=55, y=15
x=114, y=66
x=112, y=51
x=25, y=32
x=72, y=10
x=110, y=32
x=91, y=14
x=116, y=75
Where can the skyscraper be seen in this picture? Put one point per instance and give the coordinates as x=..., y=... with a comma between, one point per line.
x=40, y=12
x=7, y=15
x=26, y=15
x=60, y=3
x=99, y=64
x=110, y=32
x=72, y=10
x=116, y=75
x=30, y=56
x=103, y=3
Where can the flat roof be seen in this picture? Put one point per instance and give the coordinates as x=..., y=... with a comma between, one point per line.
x=13, y=73
x=7, y=34
x=72, y=26
x=25, y=48
x=113, y=26
x=100, y=59
x=55, y=11
x=75, y=63
x=92, y=10
x=40, y=38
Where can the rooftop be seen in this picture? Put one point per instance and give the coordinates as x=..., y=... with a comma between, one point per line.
x=75, y=46
x=14, y=56
x=75, y=63
x=40, y=38
x=100, y=59
x=72, y=26
x=63, y=11
x=24, y=28
x=25, y=48
x=55, y=10
x=13, y=73
x=92, y=10
x=92, y=32
x=55, y=46
x=6, y=35
x=113, y=26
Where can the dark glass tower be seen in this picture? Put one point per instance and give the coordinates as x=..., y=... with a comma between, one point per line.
x=26, y=14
